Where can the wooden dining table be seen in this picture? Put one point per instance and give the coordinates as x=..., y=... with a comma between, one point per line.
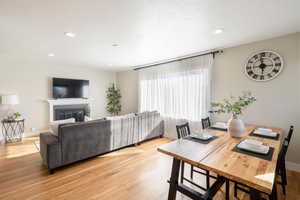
x=218, y=157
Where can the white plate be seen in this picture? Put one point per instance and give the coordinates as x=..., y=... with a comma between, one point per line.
x=265, y=129
x=220, y=125
x=201, y=136
x=262, y=149
x=265, y=133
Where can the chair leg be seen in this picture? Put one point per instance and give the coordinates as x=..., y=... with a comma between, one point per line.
x=283, y=185
x=284, y=169
x=273, y=196
x=283, y=179
x=207, y=179
x=192, y=170
x=182, y=172
x=235, y=190
x=227, y=189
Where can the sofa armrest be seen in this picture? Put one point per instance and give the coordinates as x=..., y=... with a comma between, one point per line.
x=50, y=150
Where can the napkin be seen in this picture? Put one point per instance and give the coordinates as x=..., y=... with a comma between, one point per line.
x=220, y=125
x=254, y=146
x=250, y=141
x=265, y=132
x=265, y=129
x=201, y=136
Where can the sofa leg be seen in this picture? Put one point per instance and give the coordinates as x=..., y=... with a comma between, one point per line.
x=50, y=171
x=161, y=136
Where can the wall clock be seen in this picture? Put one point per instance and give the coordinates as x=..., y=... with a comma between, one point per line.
x=264, y=65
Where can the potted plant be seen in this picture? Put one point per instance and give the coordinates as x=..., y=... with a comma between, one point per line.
x=113, y=96
x=235, y=107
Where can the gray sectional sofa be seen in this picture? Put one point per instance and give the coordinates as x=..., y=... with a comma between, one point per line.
x=82, y=140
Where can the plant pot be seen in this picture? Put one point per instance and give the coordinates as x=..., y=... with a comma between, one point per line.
x=236, y=127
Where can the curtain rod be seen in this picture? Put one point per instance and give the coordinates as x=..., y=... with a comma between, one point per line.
x=177, y=59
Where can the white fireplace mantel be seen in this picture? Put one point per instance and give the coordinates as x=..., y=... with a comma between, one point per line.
x=54, y=102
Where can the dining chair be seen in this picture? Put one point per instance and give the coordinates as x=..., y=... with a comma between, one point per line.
x=184, y=131
x=280, y=169
x=205, y=123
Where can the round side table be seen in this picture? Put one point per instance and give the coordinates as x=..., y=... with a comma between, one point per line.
x=13, y=130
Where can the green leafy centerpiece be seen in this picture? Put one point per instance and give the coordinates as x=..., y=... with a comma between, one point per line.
x=235, y=107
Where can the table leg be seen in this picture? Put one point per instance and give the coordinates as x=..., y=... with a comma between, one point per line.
x=254, y=194
x=174, y=179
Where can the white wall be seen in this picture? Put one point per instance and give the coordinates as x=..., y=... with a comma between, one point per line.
x=32, y=82
x=127, y=82
x=278, y=101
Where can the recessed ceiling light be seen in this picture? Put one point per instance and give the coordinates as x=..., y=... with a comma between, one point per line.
x=70, y=34
x=51, y=54
x=218, y=31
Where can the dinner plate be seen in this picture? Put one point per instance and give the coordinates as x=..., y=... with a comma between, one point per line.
x=201, y=136
x=265, y=133
x=261, y=149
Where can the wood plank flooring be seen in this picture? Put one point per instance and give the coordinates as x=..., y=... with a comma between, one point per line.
x=135, y=173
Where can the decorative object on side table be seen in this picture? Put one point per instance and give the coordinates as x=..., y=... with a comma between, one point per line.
x=234, y=106
x=10, y=100
x=113, y=96
x=13, y=130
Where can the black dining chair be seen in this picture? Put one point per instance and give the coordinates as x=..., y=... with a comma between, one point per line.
x=184, y=131
x=280, y=169
x=205, y=123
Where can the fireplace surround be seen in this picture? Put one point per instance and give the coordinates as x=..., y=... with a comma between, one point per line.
x=67, y=108
x=77, y=111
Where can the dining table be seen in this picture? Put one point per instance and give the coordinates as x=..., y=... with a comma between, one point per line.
x=219, y=156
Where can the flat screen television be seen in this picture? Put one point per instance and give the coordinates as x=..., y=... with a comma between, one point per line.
x=70, y=88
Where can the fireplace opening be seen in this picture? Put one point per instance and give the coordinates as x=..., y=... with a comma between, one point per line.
x=71, y=111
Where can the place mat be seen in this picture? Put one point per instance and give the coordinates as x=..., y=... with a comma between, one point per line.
x=220, y=129
x=200, y=141
x=267, y=156
x=264, y=136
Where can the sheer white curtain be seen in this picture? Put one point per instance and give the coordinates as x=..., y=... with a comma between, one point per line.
x=180, y=91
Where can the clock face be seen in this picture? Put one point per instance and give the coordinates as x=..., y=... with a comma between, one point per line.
x=264, y=66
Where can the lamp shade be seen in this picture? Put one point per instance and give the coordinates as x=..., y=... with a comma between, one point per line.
x=10, y=99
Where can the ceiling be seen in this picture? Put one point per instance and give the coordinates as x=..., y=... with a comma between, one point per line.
x=144, y=31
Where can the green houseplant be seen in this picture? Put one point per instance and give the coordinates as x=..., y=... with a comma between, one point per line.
x=113, y=96
x=235, y=107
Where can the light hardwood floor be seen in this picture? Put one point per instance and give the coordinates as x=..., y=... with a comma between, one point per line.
x=135, y=173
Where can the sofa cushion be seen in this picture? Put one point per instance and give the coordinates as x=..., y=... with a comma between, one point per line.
x=87, y=118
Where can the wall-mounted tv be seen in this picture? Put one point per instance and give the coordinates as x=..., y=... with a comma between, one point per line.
x=70, y=88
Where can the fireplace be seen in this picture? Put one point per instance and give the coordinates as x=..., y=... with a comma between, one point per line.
x=77, y=111
x=66, y=108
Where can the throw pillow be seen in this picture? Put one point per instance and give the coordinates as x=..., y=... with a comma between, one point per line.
x=87, y=118
x=54, y=125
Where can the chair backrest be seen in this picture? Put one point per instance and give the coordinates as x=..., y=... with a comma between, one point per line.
x=183, y=130
x=289, y=136
x=205, y=123
x=282, y=154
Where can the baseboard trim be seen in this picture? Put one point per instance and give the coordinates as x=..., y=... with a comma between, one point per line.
x=292, y=166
